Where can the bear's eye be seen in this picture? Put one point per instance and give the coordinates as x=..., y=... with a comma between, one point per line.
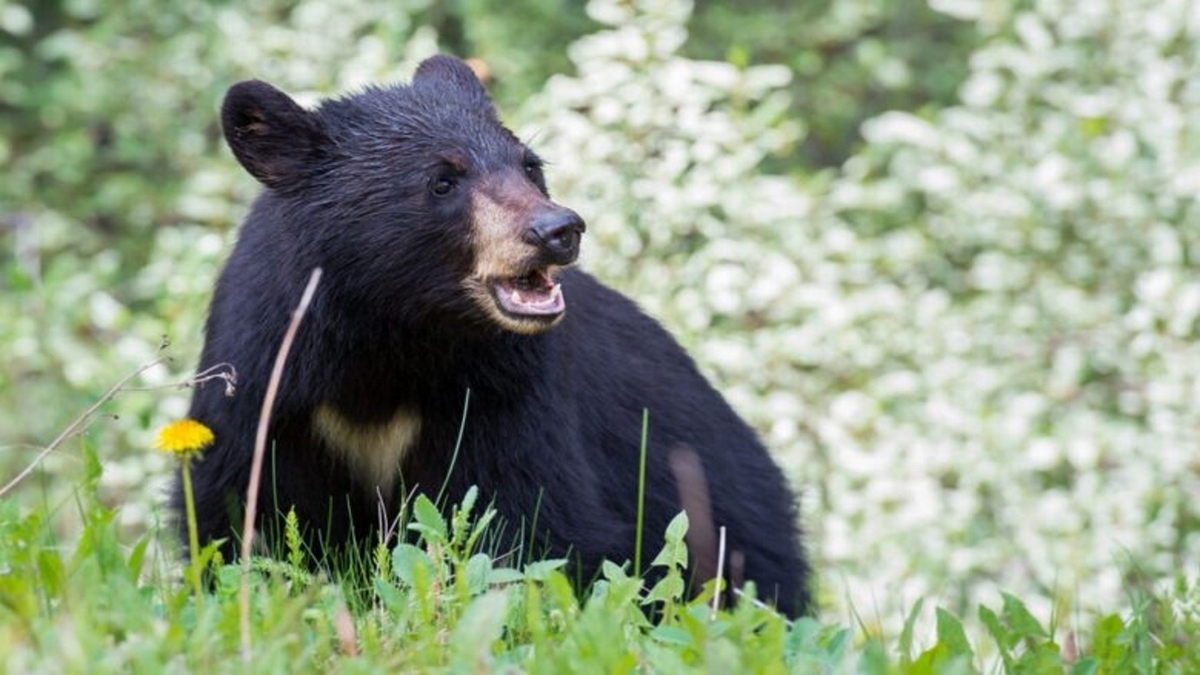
x=533, y=172
x=443, y=185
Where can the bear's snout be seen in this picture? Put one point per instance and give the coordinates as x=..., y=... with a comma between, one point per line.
x=556, y=232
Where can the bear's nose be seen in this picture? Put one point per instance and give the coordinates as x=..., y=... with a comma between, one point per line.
x=557, y=232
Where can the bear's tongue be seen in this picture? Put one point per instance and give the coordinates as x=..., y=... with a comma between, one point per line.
x=534, y=293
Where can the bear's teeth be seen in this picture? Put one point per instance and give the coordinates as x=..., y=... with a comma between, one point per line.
x=539, y=299
x=517, y=297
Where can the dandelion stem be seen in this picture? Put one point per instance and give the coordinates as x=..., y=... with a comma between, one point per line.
x=193, y=537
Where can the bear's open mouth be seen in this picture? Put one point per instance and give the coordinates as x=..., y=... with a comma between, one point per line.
x=535, y=294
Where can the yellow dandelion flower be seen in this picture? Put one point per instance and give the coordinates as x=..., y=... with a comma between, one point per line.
x=185, y=438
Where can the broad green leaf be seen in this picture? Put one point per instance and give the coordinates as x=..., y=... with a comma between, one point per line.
x=672, y=635
x=478, y=573
x=613, y=571
x=1109, y=643
x=950, y=633
x=669, y=588
x=429, y=521
x=504, y=575
x=1020, y=620
x=674, y=552
x=539, y=570
x=479, y=628
x=412, y=565
x=1004, y=639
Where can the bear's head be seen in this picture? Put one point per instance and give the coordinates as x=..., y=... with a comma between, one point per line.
x=416, y=197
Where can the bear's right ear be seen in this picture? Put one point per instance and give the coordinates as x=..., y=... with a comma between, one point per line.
x=269, y=133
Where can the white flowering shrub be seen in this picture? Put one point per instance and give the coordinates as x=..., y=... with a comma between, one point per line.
x=975, y=348
x=1037, y=237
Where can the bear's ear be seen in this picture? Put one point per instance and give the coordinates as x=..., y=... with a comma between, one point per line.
x=442, y=70
x=269, y=133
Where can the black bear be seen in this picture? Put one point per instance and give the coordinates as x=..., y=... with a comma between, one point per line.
x=450, y=344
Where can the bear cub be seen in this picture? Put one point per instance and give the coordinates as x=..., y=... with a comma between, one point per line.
x=451, y=344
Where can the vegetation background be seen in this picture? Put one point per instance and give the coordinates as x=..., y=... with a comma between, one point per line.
x=942, y=254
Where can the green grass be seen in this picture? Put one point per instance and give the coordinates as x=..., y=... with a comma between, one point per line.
x=105, y=601
x=102, y=603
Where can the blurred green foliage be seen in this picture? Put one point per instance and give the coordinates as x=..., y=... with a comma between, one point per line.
x=850, y=60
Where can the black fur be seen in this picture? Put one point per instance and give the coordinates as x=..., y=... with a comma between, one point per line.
x=554, y=421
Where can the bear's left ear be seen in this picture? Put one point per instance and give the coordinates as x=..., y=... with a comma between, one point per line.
x=441, y=70
x=270, y=134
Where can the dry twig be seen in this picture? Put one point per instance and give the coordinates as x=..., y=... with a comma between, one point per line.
x=260, y=445
x=80, y=422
